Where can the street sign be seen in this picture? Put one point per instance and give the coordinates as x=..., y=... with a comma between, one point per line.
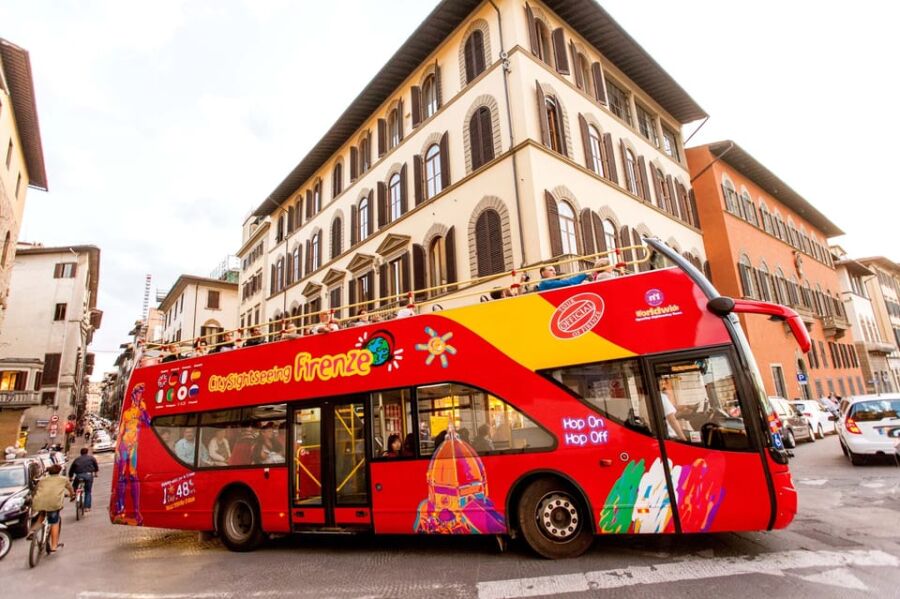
x=801, y=378
x=54, y=418
x=53, y=429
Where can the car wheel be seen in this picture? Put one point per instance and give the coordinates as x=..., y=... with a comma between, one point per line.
x=844, y=450
x=821, y=432
x=856, y=459
x=812, y=435
x=554, y=520
x=239, y=522
x=789, y=440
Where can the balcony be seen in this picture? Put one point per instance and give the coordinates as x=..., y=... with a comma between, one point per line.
x=879, y=347
x=19, y=399
x=806, y=314
x=835, y=326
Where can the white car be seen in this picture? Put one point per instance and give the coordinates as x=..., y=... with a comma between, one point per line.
x=870, y=426
x=102, y=443
x=820, y=421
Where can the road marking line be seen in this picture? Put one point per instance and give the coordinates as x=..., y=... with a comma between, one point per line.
x=207, y=595
x=840, y=577
x=693, y=569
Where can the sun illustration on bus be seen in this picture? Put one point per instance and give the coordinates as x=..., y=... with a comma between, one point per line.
x=381, y=346
x=437, y=347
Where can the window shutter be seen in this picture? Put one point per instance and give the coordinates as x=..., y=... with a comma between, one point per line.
x=419, y=260
x=403, y=194
x=445, y=161
x=609, y=161
x=437, y=85
x=587, y=232
x=483, y=244
x=599, y=235
x=308, y=256
x=271, y=285
x=673, y=204
x=559, y=51
x=404, y=274
x=382, y=137
x=692, y=205
x=338, y=233
x=553, y=225
x=585, y=140
x=579, y=80
x=354, y=227
x=487, y=135
x=469, y=51
x=450, y=253
x=298, y=213
x=368, y=157
x=475, y=141
x=351, y=298
x=371, y=209
x=532, y=30
x=682, y=203
x=657, y=188
x=354, y=163
x=542, y=112
x=309, y=205
x=382, y=204
x=383, y=282
x=417, y=179
x=597, y=74
x=642, y=175
x=400, y=117
x=625, y=242
x=416, y=107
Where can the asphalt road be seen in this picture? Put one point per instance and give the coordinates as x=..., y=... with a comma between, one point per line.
x=844, y=543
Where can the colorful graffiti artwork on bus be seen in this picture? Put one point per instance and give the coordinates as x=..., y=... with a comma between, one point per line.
x=457, y=501
x=126, y=461
x=639, y=500
x=437, y=347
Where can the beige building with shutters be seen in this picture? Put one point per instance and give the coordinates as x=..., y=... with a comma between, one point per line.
x=499, y=135
x=197, y=307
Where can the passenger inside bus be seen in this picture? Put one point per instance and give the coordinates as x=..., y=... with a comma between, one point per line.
x=243, y=447
x=219, y=448
x=670, y=413
x=268, y=449
x=394, y=447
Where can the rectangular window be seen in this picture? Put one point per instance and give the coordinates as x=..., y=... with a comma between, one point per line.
x=308, y=452
x=13, y=380
x=778, y=378
x=48, y=398
x=487, y=423
x=60, y=312
x=670, y=143
x=392, y=421
x=51, y=368
x=9, y=150
x=334, y=302
x=618, y=101
x=64, y=270
x=179, y=434
x=700, y=403
x=819, y=391
x=212, y=300
x=647, y=125
x=615, y=389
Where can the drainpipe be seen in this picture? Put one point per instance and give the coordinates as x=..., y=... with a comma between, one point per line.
x=506, y=69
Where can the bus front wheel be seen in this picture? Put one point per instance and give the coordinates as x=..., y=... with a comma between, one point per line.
x=239, y=522
x=554, y=520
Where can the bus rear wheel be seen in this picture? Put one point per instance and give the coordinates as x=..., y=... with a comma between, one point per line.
x=239, y=522
x=554, y=520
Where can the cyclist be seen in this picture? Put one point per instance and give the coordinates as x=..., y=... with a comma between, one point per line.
x=82, y=472
x=49, y=498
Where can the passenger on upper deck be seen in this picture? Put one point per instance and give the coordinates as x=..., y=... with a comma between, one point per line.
x=362, y=318
x=548, y=280
x=200, y=347
x=407, y=311
x=290, y=331
x=172, y=353
x=325, y=325
x=226, y=344
x=254, y=338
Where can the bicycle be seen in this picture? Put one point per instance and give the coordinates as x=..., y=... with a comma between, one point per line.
x=40, y=541
x=79, y=499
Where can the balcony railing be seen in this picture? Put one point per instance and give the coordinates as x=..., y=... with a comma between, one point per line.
x=835, y=325
x=20, y=398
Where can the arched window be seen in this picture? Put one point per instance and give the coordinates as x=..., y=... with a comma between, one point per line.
x=364, y=155
x=298, y=212
x=290, y=219
x=631, y=172
x=745, y=269
x=567, y=229
x=279, y=274
x=489, y=243
x=394, y=128
x=554, y=124
x=437, y=261
x=429, y=96
x=543, y=42
x=731, y=199
x=780, y=287
x=337, y=180
x=315, y=251
x=317, y=197
x=395, y=199
x=363, y=221
x=474, y=52
x=295, y=265
x=337, y=241
x=594, y=141
x=610, y=237
x=279, y=232
x=433, y=171
x=765, y=293
x=481, y=137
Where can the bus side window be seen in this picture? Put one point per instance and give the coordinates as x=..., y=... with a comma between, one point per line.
x=700, y=403
x=392, y=419
x=615, y=389
x=179, y=433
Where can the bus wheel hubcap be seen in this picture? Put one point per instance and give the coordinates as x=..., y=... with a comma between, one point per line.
x=240, y=521
x=558, y=516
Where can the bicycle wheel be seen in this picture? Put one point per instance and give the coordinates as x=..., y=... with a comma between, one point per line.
x=36, y=549
x=79, y=506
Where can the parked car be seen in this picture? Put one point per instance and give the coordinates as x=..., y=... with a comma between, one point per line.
x=819, y=419
x=794, y=426
x=18, y=479
x=102, y=442
x=49, y=458
x=870, y=426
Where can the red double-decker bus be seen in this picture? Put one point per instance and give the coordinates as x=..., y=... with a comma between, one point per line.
x=628, y=405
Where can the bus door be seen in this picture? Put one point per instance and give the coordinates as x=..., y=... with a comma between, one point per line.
x=330, y=486
x=711, y=442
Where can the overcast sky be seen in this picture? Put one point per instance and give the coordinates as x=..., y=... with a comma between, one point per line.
x=164, y=123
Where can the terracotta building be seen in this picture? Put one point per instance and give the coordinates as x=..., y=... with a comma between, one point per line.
x=499, y=135
x=766, y=242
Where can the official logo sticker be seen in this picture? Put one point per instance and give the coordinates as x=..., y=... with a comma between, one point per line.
x=577, y=315
x=654, y=297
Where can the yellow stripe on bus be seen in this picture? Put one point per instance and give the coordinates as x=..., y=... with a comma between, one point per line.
x=521, y=329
